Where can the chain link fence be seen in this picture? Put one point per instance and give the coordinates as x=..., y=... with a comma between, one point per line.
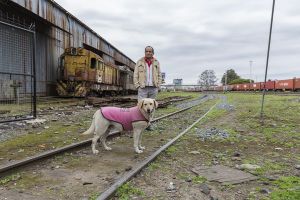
x=17, y=72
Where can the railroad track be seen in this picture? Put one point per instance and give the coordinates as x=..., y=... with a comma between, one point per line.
x=4, y=169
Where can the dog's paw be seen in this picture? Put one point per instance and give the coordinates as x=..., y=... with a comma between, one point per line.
x=108, y=148
x=142, y=147
x=138, y=151
x=95, y=152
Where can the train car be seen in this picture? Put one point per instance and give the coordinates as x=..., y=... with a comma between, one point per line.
x=284, y=85
x=83, y=73
x=218, y=88
x=255, y=86
x=242, y=87
x=228, y=88
x=270, y=86
x=297, y=84
x=234, y=87
x=245, y=86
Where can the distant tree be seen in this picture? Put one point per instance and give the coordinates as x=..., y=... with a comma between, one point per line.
x=240, y=80
x=207, y=78
x=231, y=75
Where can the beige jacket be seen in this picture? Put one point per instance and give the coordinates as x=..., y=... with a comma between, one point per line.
x=139, y=76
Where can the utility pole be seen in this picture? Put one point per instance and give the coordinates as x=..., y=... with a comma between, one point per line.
x=226, y=81
x=267, y=65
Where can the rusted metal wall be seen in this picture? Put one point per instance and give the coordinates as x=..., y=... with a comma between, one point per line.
x=79, y=32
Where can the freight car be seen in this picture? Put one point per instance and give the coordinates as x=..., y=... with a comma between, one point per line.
x=255, y=86
x=284, y=84
x=82, y=73
x=297, y=84
x=278, y=85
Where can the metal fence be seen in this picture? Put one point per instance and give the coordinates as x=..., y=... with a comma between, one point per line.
x=17, y=72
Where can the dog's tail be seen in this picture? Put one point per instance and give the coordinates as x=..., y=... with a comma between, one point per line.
x=92, y=127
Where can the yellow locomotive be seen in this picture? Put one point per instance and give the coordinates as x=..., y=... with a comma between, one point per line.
x=82, y=72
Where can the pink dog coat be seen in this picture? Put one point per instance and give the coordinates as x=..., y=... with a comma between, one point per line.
x=124, y=116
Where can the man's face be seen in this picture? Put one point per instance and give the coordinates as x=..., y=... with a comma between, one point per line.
x=148, y=52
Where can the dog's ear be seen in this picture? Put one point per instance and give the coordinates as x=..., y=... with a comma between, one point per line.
x=155, y=103
x=140, y=104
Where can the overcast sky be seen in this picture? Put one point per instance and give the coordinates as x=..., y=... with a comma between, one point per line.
x=190, y=36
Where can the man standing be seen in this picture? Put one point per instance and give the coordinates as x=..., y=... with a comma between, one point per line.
x=147, y=76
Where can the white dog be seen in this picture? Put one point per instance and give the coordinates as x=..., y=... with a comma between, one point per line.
x=135, y=118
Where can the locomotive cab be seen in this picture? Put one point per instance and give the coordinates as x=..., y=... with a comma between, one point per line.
x=79, y=68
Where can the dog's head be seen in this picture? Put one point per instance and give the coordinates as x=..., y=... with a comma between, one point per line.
x=147, y=105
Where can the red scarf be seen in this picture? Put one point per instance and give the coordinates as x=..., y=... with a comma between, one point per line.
x=148, y=61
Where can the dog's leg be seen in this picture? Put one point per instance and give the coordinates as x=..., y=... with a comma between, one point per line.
x=140, y=142
x=94, y=142
x=136, y=135
x=101, y=126
x=103, y=139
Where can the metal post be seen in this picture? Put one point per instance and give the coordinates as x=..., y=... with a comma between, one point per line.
x=267, y=64
x=226, y=81
x=34, y=74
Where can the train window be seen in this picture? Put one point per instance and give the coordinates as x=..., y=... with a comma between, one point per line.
x=93, y=63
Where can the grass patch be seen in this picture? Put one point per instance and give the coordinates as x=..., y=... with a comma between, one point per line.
x=163, y=95
x=126, y=191
x=270, y=166
x=288, y=188
x=199, y=179
x=171, y=150
x=57, y=135
x=94, y=196
x=7, y=179
x=154, y=166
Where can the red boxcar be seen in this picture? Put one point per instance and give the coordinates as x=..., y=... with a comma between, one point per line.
x=270, y=85
x=284, y=84
x=255, y=86
x=238, y=87
x=297, y=84
x=245, y=86
x=234, y=87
